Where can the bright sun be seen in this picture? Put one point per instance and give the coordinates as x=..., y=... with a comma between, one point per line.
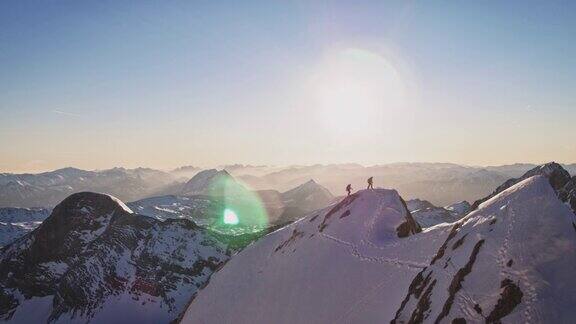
x=357, y=91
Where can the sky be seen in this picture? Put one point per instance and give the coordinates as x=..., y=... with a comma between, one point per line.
x=98, y=84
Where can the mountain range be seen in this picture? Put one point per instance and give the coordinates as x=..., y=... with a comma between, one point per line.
x=203, y=200
x=440, y=183
x=49, y=188
x=207, y=195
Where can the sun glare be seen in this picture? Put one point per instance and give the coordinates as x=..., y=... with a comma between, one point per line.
x=358, y=91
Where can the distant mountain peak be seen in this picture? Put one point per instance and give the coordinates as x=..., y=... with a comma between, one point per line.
x=213, y=182
x=310, y=184
x=308, y=196
x=76, y=221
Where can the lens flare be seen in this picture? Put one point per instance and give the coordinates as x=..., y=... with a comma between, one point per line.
x=230, y=217
x=234, y=209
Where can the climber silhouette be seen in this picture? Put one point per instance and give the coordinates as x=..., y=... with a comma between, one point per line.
x=349, y=189
x=370, y=184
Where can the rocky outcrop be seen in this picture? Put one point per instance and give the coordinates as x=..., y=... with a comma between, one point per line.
x=568, y=193
x=409, y=226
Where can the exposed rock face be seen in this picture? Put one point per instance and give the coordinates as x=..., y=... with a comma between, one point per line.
x=93, y=258
x=568, y=193
x=409, y=226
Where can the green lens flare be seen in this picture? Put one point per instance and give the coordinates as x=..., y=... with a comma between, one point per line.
x=230, y=217
x=236, y=208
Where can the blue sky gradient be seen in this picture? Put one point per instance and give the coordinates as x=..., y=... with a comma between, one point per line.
x=96, y=84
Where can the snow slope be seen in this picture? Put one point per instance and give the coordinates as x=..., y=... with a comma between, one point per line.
x=342, y=264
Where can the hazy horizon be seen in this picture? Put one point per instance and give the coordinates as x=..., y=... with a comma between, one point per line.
x=279, y=166
x=101, y=84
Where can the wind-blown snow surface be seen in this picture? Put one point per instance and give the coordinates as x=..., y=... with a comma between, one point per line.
x=511, y=260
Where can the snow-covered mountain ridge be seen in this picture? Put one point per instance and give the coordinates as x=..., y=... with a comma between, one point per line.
x=306, y=271
x=508, y=261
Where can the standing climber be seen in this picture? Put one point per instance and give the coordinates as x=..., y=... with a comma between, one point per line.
x=349, y=189
x=370, y=183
